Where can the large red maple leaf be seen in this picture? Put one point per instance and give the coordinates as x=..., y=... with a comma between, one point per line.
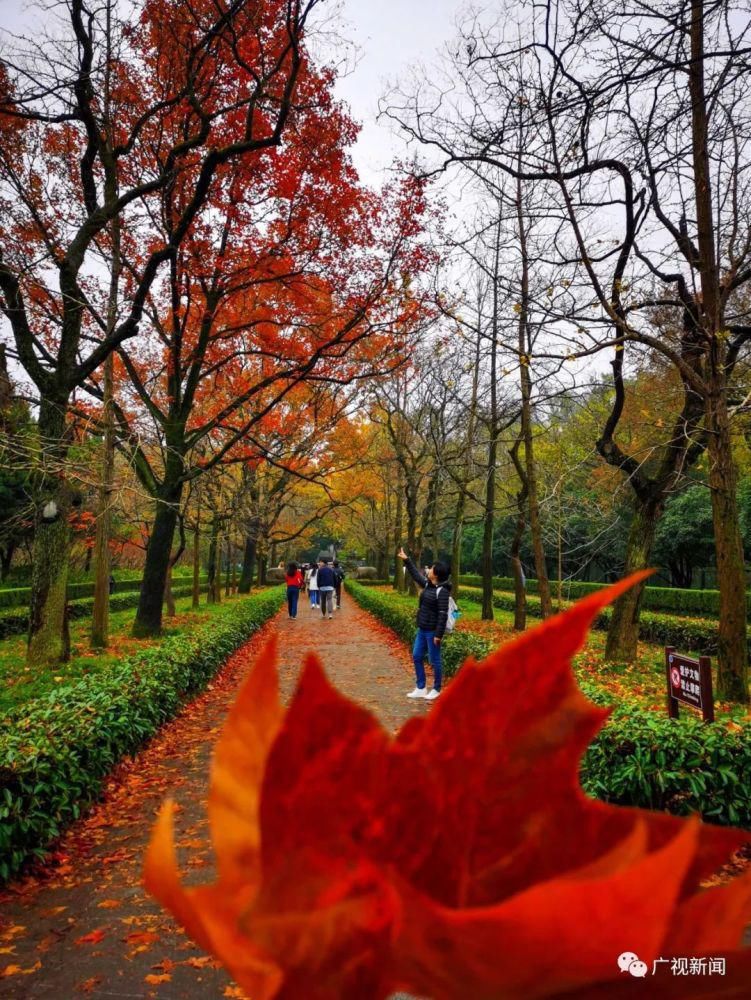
x=459, y=860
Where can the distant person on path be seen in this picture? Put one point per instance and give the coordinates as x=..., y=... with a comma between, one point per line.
x=432, y=613
x=312, y=581
x=294, y=580
x=338, y=578
x=326, y=586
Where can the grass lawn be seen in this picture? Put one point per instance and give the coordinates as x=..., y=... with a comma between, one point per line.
x=20, y=684
x=642, y=682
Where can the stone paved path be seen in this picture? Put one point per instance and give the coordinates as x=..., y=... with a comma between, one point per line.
x=82, y=925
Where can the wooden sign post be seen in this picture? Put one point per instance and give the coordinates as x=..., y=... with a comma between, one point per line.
x=689, y=682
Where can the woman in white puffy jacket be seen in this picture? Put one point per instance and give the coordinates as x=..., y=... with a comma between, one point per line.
x=312, y=582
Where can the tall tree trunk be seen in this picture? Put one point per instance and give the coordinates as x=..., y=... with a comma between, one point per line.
x=623, y=631
x=428, y=532
x=197, y=560
x=399, y=582
x=102, y=561
x=233, y=578
x=6, y=558
x=228, y=571
x=525, y=378
x=249, y=561
x=461, y=503
x=214, y=595
x=489, y=512
x=520, y=589
x=410, y=492
x=732, y=644
x=169, y=597
x=148, y=620
x=456, y=543
x=487, y=535
x=52, y=540
x=263, y=563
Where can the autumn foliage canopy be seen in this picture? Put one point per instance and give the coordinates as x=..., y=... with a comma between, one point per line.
x=459, y=859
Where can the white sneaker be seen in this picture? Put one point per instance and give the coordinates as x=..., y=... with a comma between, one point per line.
x=418, y=693
x=331, y=616
x=432, y=695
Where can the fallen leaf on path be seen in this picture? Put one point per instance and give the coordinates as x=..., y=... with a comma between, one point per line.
x=154, y=980
x=94, y=937
x=89, y=985
x=49, y=940
x=166, y=965
x=200, y=962
x=141, y=937
x=8, y=933
x=17, y=970
x=123, y=854
x=109, y=904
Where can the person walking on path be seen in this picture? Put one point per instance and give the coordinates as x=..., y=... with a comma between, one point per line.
x=432, y=613
x=326, y=584
x=312, y=581
x=294, y=580
x=338, y=578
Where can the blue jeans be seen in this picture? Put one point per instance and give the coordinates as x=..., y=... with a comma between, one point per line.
x=424, y=646
x=313, y=598
x=293, y=594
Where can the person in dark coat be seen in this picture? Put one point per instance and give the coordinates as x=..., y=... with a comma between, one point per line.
x=338, y=579
x=432, y=613
x=326, y=584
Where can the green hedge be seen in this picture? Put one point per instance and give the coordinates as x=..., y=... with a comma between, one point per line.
x=17, y=622
x=20, y=597
x=639, y=758
x=55, y=752
x=698, y=635
x=386, y=608
x=680, y=602
x=682, y=766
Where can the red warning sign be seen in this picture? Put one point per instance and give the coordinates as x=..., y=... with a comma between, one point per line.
x=690, y=683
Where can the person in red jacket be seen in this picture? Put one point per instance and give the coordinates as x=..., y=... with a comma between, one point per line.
x=294, y=580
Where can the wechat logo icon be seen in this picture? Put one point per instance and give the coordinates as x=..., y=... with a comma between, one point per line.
x=629, y=962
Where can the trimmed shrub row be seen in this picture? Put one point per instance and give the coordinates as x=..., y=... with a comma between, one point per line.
x=682, y=766
x=17, y=622
x=639, y=758
x=698, y=635
x=680, y=602
x=55, y=752
x=20, y=597
x=458, y=646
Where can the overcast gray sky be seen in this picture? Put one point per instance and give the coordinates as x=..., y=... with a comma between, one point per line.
x=392, y=36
